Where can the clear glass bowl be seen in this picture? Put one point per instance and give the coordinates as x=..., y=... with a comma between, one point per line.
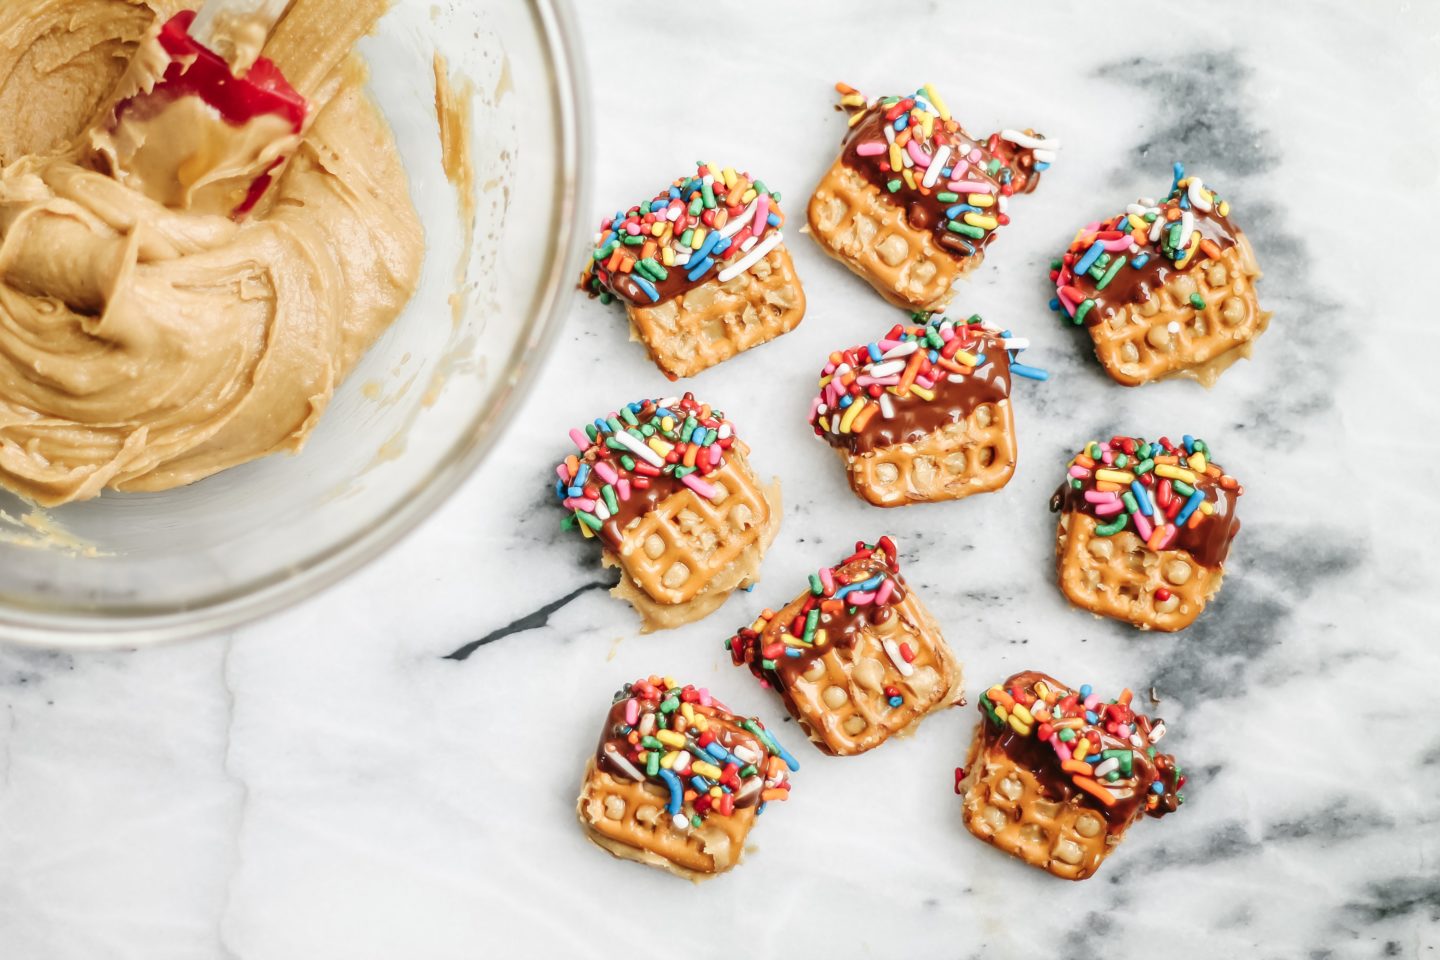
x=418, y=413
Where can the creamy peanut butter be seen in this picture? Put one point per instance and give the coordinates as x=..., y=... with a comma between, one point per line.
x=147, y=340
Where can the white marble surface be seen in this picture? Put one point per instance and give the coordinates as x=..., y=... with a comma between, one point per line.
x=328, y=784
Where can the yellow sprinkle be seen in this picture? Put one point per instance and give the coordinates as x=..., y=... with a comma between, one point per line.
x=1042, y=690
x=980, y=200
x=697, y=238
x=921, y=392
x=1172, y=472
x=856, y=117
x=852, y=100
x=670, y=738
x=826, y=379
x=728, y=174
x=669, y=759
x=1137, y=224
x=589, y=534
x=1116, y=476
x=660, y=446
x=1019, y=726
x=966, y=357
x=708, y=770
x=1197, y=461
x=824, y=425
x=716, y=792
x=759, y=624
x=790, y=640
x=1022, y=713
x=1082, y=747
x=936, y=102
x=850, y=414
x=981, y=221
x=667, y=255
x=821, y=637
x=1001, y=712
x=895, y=162
x=658, y=227
x=927, y=124
x=1207, y=508
x=909, y=178
x=667, y=423
x=700, y=723
x=749, y=195
x=1224, y=208
x=687, y=711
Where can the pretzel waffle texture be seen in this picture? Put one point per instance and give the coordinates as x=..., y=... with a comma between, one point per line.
x=1167, y=336
x=1004, y=806
x=683, y=559
x=860, y=228
x=628, y=819
x=715, y=320
x=840, y=701
x=974, y=455
x=1119, y=576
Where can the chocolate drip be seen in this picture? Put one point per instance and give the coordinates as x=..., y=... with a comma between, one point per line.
x=1208, y=543
x=923, y=211
x=954, y=401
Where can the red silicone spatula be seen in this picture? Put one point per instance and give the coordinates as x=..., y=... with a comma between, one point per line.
x=237, y=92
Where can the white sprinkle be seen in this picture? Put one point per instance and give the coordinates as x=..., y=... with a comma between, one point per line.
x=1029, y=140
x=602, y=512
x=1157, y=731
x=1198, y=199
x=1187, y=227
x=681, y=821
x=733, y=225
x=932, y=172
x=1106, y=767
x=878, y=370
x=893, y=650
x=626, y=767
x=639, y=449
x=751, y=258
x=1045, y=156
x=1017, y=343
x=724, y=431
x=887, y=407
x=1173, y=326
x=749, y=242
x=889, y=133
x=901, y=350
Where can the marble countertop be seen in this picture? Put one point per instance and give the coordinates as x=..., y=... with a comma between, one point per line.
x=334, y=782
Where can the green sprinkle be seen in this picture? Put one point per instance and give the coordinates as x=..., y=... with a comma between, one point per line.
x=1144, y=467
x=695, y=820
x=964, y=229
x=606, y=250
x=591, y=431
x=989, y=709
x=811, y=619
x=650, y=743
x=634, y=241
x=611, y=504
x=1144, y=452
x=1197, y=301
x=1182, y=488
x=589, y=519
x=816, y=587
x=652, y=764
x=1120, y=461
x=688, y=234
x=707, y=194
x=767, y=664
x=627, y=461
x=760, y=187
x=749, y=770
x=670, y=704
x=1128, y=499
x=606, y=296
x=567, y=522
x=1066, y=735
x=1110, y=529
x=892, y=185
x=1110, y=274
x=1085, y=308
x=947, y=196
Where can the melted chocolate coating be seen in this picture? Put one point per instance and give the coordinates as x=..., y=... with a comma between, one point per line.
x=1056, y=784
x=922, y=210
x=1207, y=543
x=916, y=418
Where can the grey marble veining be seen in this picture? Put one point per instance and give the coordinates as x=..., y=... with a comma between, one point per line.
x=390, y=770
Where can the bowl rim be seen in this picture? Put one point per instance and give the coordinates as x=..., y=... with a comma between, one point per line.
x=101, y=630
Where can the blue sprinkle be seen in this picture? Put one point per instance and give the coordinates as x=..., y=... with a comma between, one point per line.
x=773, y=220
x=559, y=489
x=647, y=287
x=701, y=784
x=959, y=208
x=1041, y=165
x=793, y=651
x=1189, y=442
x=1091, y=717
x=676, y=791
x=1029, y=372
x=1142, y=497
x=1091, y=255
x=896, y=701
x=716, y=750
x=576, y=491
x=700, y=269
x=675, y=192
x=846, y=400
x=1157, y=787
x=1055, y=303
x=711, y=239
x=1085, y=691
x=875, y=353
x=902, y=121
x=1191, y=505
x=1140, y=261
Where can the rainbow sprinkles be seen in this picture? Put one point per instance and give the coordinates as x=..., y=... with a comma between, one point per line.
x=715, y=224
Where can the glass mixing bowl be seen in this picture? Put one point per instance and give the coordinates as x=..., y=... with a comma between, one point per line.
x=417, y=414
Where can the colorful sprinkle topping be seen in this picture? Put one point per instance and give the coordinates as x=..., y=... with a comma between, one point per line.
x=711, y=761
x=856, y=589
x=1106, y=748
x=1168, y=495
x=931, y=362
x=913, y=150
x=632, y=459
x=710, y=225
x=1111, y=260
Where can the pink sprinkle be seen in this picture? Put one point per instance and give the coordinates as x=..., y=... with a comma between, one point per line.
x=888, y=345
x=872, y=148
x=815, y=406
x=1142, y=526
x=715, y=454
x=704, y=694
x=916, y=154
x=704, y=489
x=957, y=172
x=975, y=155
x=633, y=228
x=623, y=489
x=1062, y=751
x=1170, y=532
x=563, y=473
x=1123, y=732
x=1123, y=243
x=1101, y=496
x=972, y=186
x=579, y=503
x=1079, y=472
x=632, y=712
x=827, y=580
x=581, y=441
x=762, y=210
x=924, y=383
x=890, y=381
x=1109, y=457
x=1091, y=701
x=1108, y=509
x=860, y=598
x=606, y=472
x=882, y=595
x=947, y=334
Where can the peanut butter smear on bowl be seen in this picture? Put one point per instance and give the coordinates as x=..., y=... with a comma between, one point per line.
x=147, y=339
